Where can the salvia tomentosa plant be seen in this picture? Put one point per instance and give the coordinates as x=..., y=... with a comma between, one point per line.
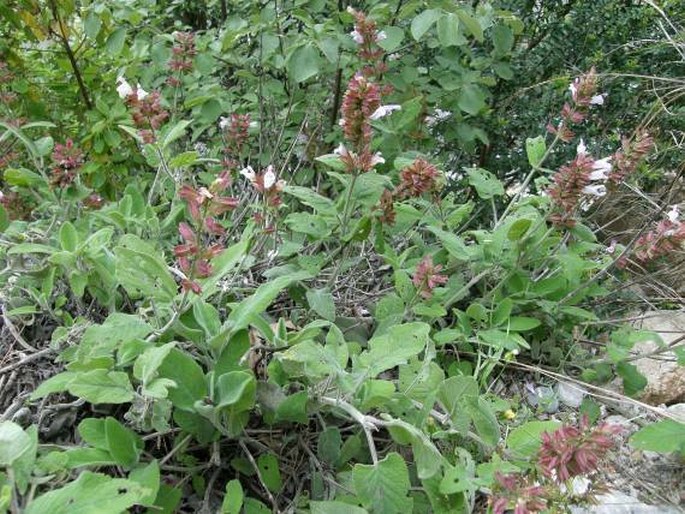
x=259, y=286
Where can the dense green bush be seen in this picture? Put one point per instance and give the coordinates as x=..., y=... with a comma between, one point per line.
x=269, y=260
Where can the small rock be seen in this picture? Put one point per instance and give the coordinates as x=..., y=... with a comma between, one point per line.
x=665, y=377
x=619, y=503
x=621, y=421
x=678, y=410
x=571, y=395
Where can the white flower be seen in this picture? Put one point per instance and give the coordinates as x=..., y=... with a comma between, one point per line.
x=674, y=214
x=248, y=173
x=269, y=177
x=124, y=88
x=341, y=150
x=224, y=123
x=377, y=159
x=573, y=88
x=602, y=166
x=581, y=149
x=140, y=92
x=598, y=190
x=597, y=99
x=384, y=110
x=381, y=35
x=358, y=38
x=612, y=247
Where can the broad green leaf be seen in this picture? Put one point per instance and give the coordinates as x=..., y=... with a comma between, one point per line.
x=471, y=99
x=293, y=408
x=521, y=323
x=184, y=159
x=328, y=445
x=321, y=301
x=307, y=223
x=395, y=347
x=423, y=22
x=223, y=264
x=68, y=237
x=486, y=184
x=14, y=442
x=102, y=386
x=471, y=24
x=90, y=493
x=393, y=38
x=451, y=395
x=535, y=150
x=188, y=376
x=524, y=441
x=115, y=41
x=30, y=248
x=123, y=444
x=92, y=431
x=452, y=243
x=233, y=498
x=664, y=436
x=145, y=367
x=92, y=25
x=44, y=145
x=239, y=317
x=312, y=199
x=383, y=487
x=235, y=390
x=304, y=63
x=518, y=229
x=448, y=30
x=271, y=474
x=142, y=271
x=22, y=177
x=332, y=161
x=176, y=132
x=54, y=384
x=149, y=478
x=503, y=39
x=483, y=418
x=633, y=381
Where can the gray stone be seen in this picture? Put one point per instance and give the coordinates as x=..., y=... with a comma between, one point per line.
x=620, y=503
x=665, y=378
x=570, y=394
x=678, y=410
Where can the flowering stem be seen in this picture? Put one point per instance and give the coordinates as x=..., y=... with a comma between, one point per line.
x=348, y=202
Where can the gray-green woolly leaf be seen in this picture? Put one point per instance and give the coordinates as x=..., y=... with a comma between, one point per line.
x=14, y=442
x=145, y=367
x=312, y=199
x=486, y=184
x=102, y=386
x=535, y=150
x=260, y=300
x=393, y=38
x=90, y=493
x=383, y=488
x=188, y=376
x=664, y=436
x=304, y=63
x=321, y=301
x=452, y=243
x=423, y=22
x=471, y=99
x=233, y=498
